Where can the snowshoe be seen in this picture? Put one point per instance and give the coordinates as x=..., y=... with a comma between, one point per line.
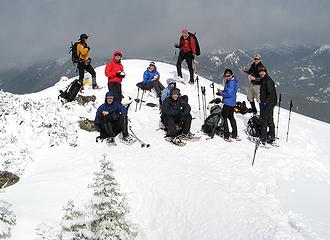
x=189, y=137
x=128, y=140
x=111, y=141
x=175, y=141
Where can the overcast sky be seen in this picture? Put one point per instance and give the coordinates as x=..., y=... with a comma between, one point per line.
x=32, y=30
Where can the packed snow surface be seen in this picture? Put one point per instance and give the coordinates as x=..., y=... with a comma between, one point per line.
x=207, y=190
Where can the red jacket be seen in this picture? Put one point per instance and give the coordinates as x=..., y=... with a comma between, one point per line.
x=188, y=44
x=112, y=68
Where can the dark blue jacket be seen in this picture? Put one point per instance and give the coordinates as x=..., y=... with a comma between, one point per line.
x=114, y=107
x=175, y=108
x=148, y=76
x=229, y=93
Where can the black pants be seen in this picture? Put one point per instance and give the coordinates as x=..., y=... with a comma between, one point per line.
x=189, y=59
x=228, y=113
x=115, y=88
x=170, y=123
x=157, y=85
x=82, y=67
x=267, y=120
x=110, y=127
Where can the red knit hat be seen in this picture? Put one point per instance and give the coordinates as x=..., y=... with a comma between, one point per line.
x=184, y=31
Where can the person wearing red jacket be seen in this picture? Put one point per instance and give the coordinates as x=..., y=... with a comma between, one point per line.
x=187, y=45
x=114, y=70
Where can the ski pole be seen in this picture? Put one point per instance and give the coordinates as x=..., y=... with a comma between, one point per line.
x=143, y=144
x=278, y=116
x=287, y=133
x=203, y=90
x=212, y=86
x=199, y=104
x=255, y=150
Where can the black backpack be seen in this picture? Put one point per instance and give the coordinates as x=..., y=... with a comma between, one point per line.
x=73, y=51
x=71, y=91
x=213, y=124
x=193, y=35
x=254, y=127
x=241, y=107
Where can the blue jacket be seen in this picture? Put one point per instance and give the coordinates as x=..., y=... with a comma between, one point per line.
x=229, y=93
x=114, y=107
x=148, y=76
x=166, y=92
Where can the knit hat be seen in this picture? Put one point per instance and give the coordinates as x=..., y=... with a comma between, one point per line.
x=262, y=69
x=257, y=56
x=109, y=95
x=170, y=81
x=184, y=31
x=175, y=91
x=152, y=64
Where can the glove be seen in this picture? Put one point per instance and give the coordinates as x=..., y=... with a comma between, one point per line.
x=120, y=74
x=176, y=45
x=263, y=105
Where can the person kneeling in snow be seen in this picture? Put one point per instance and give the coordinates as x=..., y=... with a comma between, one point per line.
x=111, y=119
x=171, y=84
x=176, y=113
x=151, y=79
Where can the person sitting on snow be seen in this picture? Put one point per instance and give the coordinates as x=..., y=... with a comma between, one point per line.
x=111, y=119
x=171, y=84
x=151, y=79
x=176, y=111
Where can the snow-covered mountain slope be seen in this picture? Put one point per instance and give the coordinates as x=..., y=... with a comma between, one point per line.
x=205, y=190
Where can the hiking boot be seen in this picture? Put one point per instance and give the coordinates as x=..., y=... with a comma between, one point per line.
x=191, y=82
x=110, y=141
x=176, y=140
x=237, y=138
x=95, y=86
x=227, y=139
x=265, y=145
x=128, y=140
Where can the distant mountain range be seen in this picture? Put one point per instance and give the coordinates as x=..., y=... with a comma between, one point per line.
x=301, y=72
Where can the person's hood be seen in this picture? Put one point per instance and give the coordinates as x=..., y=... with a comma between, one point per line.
x=115, y=53
x=108, y=94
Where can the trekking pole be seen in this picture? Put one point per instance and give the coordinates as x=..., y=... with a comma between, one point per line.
x=199, y=103
x=287, y=133
x=137, y=98
x=203, y=90
x=212, y=86
x=255, y=150
x=278, y=116
x=143, y=144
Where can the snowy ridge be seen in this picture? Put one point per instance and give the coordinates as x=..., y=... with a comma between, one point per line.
x=324, y=49
x=205, y=190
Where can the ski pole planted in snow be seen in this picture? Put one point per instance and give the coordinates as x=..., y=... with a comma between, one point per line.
x=255, y=150
x=143, y=144
x=203, y=90
x=212, y=86
x=278, y=116
x=287, y=133
x=199, y=103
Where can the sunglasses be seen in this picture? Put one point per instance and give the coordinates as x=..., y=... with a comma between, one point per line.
x=257, y=59
x=227, y=76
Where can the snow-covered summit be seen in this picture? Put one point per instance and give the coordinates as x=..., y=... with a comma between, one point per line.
x=205, y=190
x=323, y=49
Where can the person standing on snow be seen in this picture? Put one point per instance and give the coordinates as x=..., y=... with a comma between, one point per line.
x=187, y=45
x=229, y=94
x=268, y=100
x=111, y=119
x=84, y=62
x=114, y=70
x=254, y=82
x=151, y=79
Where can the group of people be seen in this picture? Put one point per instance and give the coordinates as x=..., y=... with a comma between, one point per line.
x=111, y=116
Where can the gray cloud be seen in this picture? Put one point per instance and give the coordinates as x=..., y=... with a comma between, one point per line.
x=40, y=29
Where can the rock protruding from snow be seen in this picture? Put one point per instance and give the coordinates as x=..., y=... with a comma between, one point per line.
x=7, y=219
x=7, y=179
